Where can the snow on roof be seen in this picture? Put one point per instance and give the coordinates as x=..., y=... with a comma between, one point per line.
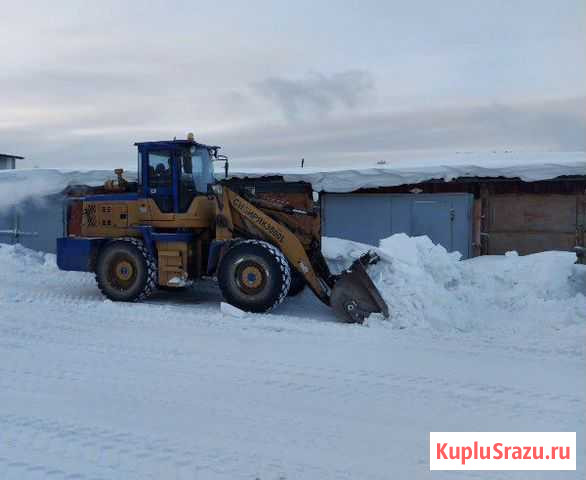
x=8, y=155
x=527, y=167
x=19, y=185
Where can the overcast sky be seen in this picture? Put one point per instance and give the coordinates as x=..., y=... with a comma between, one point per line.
x=274, y=81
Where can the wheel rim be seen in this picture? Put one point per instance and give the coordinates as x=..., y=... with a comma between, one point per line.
x=122, y=272
x=250, y=277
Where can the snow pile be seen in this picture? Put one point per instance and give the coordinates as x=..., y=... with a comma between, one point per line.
x=16, y=258
x=17, y=186
x=19, y=261
x=425, y=286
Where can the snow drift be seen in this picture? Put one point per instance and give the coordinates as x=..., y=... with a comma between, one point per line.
x=17, y=186
x=425, y=286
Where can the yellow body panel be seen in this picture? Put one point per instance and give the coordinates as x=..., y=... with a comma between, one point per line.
x=173, y=260
x=107, y=218
x=200, y=214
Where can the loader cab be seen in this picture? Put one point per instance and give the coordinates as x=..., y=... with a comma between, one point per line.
x=173, y=173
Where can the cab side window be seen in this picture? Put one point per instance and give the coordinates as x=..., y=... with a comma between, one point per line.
x=160, y=174
x=161, y=180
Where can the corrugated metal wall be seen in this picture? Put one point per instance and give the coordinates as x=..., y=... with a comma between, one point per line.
x=35, y=224
x=369, y=217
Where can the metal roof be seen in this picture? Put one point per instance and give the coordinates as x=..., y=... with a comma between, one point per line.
x=7, y=155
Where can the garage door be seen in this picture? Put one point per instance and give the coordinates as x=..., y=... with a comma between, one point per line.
x=34, y=224
x=367, y=218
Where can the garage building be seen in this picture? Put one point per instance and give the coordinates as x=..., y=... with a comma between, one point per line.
x=8, y=162
x=528, y=203
x=528, y=207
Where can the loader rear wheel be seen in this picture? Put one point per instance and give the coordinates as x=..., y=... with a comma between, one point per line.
x=125, y=271
x=254, y=276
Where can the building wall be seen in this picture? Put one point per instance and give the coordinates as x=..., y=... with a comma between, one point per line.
x=6, y=163
x=35, y=224
x=505, y=215
x=446, y=218
x=530, y=223
x=509, y=214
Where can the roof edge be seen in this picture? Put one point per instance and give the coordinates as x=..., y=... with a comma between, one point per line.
x=8, y=155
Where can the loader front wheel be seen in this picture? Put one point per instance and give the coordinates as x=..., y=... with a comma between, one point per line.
x=125, y=272
x=297, y=283
x=254, y=276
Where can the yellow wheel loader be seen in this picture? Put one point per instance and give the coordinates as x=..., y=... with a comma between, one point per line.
x=176, y=224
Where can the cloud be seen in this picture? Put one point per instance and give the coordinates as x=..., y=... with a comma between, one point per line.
x=316, y=93
x=81, y=83
x=556, y=125
x=341, y=138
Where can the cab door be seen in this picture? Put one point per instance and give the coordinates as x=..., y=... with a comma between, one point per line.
x=160, y=180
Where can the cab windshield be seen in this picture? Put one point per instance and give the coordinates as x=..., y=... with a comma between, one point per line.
x=196, y=173
x=202, y=168
x=197, y=169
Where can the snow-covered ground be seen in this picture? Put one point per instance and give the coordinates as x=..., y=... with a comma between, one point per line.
x=176, y=389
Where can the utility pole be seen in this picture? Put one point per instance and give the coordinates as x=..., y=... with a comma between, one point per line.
x=302, y=162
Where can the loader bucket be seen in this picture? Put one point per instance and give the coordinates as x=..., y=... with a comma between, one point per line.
x=354, y=296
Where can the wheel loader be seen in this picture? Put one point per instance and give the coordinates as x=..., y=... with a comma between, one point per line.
x=177, y=223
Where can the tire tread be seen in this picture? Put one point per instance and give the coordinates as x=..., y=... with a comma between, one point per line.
x=283, y=264
x=151, y=270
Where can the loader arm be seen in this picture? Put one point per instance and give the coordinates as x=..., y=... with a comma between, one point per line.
x=352, y=294
x=237, y=214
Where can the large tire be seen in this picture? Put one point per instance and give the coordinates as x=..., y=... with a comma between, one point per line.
x=254, y=276
x=297, y=283
x=125, y=271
